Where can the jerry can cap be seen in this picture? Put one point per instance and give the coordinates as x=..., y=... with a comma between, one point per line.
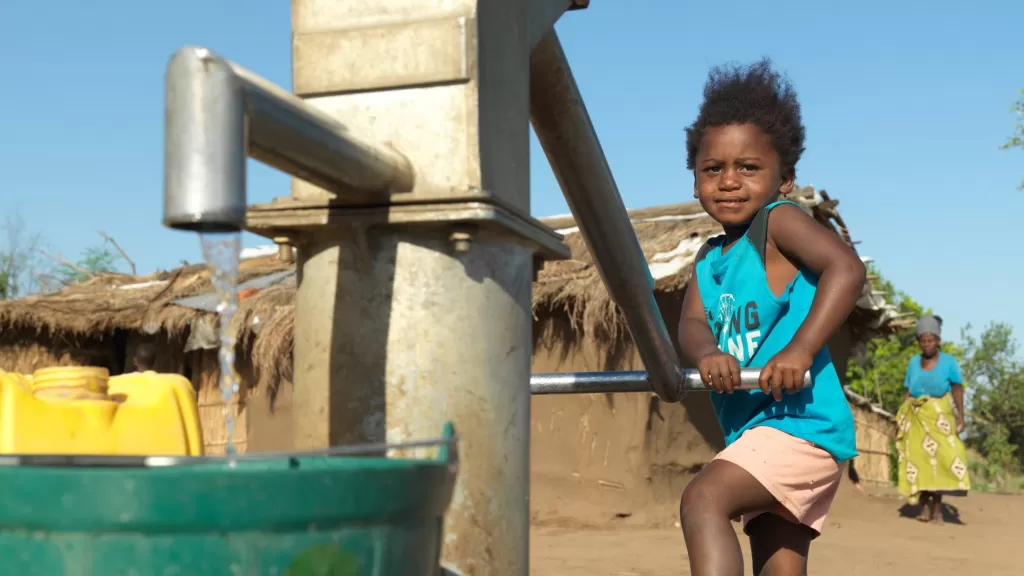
x=89, y=380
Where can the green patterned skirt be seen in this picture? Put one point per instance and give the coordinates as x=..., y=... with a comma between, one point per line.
x=931, y=456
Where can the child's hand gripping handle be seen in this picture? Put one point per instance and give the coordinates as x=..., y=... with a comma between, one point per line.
x=749, y=378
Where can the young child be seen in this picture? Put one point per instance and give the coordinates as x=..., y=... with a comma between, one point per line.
x=766, y=294
x=145, y=357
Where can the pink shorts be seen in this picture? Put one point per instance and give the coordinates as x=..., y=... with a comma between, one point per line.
x=802, y=477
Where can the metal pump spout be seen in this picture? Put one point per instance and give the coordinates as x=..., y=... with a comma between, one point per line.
x=217, y=113
x=204, y=144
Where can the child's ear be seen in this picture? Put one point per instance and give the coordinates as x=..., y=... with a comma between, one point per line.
x=695, y=195
x=787, y=185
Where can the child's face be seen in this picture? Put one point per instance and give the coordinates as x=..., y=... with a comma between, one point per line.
x=737, y=173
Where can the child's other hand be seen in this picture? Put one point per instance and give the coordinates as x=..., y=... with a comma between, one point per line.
x=785, y=371
x=720, y=372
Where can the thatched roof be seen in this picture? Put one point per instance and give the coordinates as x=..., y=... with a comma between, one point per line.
x=669, y=235
x=110, y=302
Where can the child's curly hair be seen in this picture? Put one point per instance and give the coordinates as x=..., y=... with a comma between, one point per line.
x=756, y=95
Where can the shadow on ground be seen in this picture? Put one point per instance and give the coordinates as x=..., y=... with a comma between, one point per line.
x=950, y=513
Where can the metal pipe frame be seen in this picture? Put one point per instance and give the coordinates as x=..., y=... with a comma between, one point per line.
x=399, y=310
x=629, y=381
x=567, y=135
x=217, y=113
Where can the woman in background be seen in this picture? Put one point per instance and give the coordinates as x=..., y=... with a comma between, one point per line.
x=932, y=460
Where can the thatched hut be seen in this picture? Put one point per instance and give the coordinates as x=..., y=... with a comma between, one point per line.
x=875, y=427
x=627, y=451
x=100, y=322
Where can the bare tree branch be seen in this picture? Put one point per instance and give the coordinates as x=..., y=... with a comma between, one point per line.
x=18, y=258
x=52, y=277
x=120, y=251
x=48, y=279
x=59, y=259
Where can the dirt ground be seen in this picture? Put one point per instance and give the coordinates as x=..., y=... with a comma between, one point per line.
x=865, y=534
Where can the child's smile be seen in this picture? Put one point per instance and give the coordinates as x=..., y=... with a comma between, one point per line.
x=726, y=202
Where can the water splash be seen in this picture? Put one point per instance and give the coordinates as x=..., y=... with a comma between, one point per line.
x=222, y=252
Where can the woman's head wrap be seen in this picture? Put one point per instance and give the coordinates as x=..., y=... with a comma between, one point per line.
x=929, y=324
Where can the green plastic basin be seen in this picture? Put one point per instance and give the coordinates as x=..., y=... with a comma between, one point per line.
x=302, y=515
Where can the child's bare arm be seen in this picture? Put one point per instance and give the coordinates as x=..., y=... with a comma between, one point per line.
x=841, y=276
x=840, y=272
x=718, y=370
x=695, y=338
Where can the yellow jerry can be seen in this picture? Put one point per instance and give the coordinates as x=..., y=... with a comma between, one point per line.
x=83, y=410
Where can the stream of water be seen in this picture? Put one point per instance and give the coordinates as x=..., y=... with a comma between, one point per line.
x=222, y=252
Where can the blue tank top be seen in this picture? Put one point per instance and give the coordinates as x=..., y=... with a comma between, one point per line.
x=753, y=324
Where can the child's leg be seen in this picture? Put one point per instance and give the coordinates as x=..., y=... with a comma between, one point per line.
x=937, y=507
x=721, y=492
x=764, y=471
x=779, y=547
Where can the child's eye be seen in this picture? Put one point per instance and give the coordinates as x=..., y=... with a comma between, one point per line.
x=713, y=169
x=748, y=168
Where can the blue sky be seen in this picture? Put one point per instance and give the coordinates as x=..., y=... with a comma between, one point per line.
x=906, y=104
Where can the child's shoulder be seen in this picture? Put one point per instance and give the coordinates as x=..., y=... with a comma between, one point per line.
x=783, y=213
x=708, y=246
